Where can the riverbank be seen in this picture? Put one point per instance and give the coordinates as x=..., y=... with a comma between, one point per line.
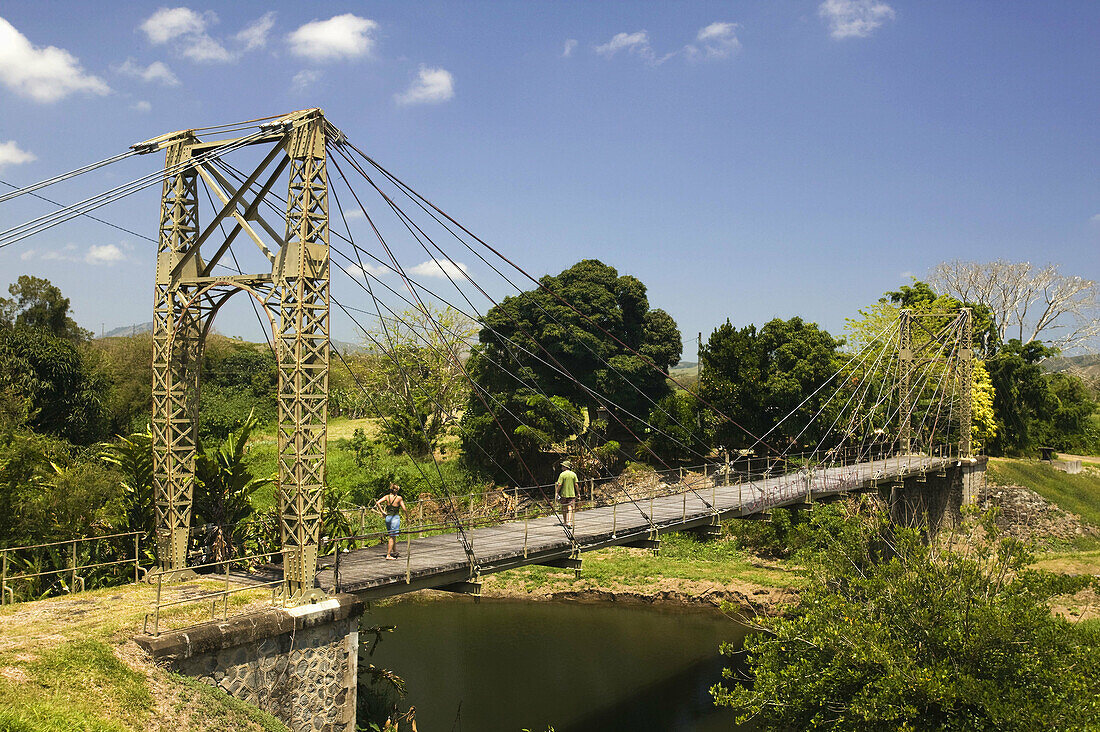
x=688, y=573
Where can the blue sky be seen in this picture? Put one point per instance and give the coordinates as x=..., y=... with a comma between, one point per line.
x=746, y=160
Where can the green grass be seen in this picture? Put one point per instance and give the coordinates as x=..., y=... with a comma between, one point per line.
x=71, y=685
x=357, y=485
x=1079, y=494
x=682, y=557
x=59, y=669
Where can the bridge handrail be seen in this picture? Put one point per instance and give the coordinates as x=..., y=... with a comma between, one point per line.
x=76, y=581
x=223, y=594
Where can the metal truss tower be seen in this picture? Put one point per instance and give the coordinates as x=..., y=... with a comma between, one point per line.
x=295, y=297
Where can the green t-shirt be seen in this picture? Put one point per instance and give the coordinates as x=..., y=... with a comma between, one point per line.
x=567, y=482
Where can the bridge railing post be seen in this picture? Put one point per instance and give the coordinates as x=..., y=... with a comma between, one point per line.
x=72, y=556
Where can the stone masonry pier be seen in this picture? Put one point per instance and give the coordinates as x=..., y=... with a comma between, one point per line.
x=300, y=664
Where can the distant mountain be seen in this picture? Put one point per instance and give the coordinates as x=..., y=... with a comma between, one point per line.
x=129, y=330
x=1088, y=365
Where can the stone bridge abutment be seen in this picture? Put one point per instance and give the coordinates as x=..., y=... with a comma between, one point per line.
x=299, y=664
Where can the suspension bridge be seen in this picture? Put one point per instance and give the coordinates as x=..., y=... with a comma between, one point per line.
x=895, y=418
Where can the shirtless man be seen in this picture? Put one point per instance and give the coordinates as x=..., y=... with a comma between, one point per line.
x=565, y=490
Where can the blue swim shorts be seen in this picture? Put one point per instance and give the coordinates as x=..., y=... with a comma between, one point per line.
x=393, y=525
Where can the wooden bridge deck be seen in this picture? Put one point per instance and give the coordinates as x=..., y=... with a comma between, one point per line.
x=441, y=562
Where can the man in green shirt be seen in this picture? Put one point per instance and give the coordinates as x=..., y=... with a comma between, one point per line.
x=565, y=490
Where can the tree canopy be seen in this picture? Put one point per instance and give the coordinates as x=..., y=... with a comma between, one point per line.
x=755, y=378
x=896, y=633
x=587, y=331
x=39, y=305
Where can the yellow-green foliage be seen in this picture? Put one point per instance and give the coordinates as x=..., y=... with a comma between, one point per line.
x=983, y=425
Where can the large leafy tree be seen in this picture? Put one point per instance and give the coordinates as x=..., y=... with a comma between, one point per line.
x=417, y=382
x=64, y=396
x=39, y=305
x=893, y=633
x=1022, y=397
x=238, y=379
x=588, y=330
x=755, y=378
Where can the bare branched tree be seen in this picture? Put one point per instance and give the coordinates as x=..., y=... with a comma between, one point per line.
x=1028, y=302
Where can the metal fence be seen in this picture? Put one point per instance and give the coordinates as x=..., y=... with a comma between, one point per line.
x=59, y=567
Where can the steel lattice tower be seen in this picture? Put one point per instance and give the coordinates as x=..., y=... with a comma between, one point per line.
x=295, y=297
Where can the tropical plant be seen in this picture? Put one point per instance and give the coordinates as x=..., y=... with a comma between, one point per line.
x=223, y=489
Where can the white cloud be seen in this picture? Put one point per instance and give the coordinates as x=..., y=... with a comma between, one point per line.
x=304, y=79
x=634, y=42
x=156, y=71
x=354, y=213
x=570, y=44
x=437, y=268
x=42, y=74
x=205, y=49
x=96, y=254
x=1095, y=219
x=342, y=36
x=355, y=271
x=254, y=35
x=187, y=29
x=170, y=23
x=431, y=86
x=719, y=40
x=854, y=18
x=12, y=154
x=103, y=254
x=141, y=106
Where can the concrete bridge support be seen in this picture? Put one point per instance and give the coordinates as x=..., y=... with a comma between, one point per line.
x=300, y=664
x=934, y=501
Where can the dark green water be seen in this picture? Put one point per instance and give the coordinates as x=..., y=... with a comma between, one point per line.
x=580, y=668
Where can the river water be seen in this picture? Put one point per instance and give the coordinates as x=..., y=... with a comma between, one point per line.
x=581, y=668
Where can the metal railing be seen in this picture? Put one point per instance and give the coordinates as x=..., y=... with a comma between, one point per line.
x=277, y=589
x=69, y=549
x=762, y=483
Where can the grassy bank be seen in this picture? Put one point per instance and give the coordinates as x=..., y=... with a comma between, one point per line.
x=686, y=566
x=67, y=664
x=1079, y=494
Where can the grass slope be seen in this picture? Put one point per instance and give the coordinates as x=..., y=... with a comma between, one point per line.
x=67, y=664
x=1079, y=494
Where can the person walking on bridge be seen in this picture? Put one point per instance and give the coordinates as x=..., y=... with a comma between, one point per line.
x=565, y=491
x=390, y=507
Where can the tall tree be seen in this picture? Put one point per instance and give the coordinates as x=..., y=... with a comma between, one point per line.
x=587, y=336
x=756, y=378
x=1022, y=397
x=39, y=305
x=1028, y=302
x=64, y=396
x=418, y=381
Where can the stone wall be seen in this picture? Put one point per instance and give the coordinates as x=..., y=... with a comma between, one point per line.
x=299, y=664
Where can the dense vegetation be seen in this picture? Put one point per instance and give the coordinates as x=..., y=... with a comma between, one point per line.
x=929, y=635
x=895, y=633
